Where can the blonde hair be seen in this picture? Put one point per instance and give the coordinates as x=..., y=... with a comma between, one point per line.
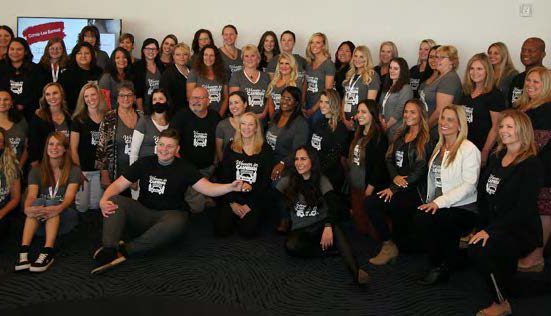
x=488, y=85
x=44, y=108
x=309, y=55
x=392, y=46
x=250, y=48
x=367, y=72
x=277, y=76
x=524, y=131
x=429, y=42
x=81, y=110
x=461, y=135
x=183, y=46
x=452, y=54
x=46, y=172
x=506, y=66
x=9, y=165
x=334, y=106
x=524, y=103
x=258, y=138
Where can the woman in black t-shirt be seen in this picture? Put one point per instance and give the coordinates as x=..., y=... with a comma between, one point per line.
x=51, y=116
x=55, y=59
x=311, y=202
x=510, y=226
x=329, y=137
x=249, y=158
x=483, y=101
x=88, y=115
x=422, y=71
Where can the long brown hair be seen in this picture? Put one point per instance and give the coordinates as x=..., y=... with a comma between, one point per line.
x=44, y=109
x=423, y=136
x=461, y=135
x=46, y=172
x=375, y=129
x=63, y=60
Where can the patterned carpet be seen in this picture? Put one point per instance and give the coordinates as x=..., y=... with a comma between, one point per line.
x=204, y=275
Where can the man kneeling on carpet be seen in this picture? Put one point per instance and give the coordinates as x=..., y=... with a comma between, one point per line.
x=159, y=212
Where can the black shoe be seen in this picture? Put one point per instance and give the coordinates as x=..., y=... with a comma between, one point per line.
x=44, y=260
x=23, y=262
x=106, y=259
x=440, y=274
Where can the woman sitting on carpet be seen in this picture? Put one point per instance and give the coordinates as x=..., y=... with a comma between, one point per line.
x=311, y=202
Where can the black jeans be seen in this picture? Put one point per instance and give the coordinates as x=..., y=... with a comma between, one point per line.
x=441, y=232
x=225, y=220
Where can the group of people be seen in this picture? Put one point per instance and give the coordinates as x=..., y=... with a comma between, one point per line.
x=418, y=157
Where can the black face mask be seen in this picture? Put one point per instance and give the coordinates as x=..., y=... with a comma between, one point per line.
x=160, y=107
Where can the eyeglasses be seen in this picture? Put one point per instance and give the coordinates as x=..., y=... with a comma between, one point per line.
x=122, y=96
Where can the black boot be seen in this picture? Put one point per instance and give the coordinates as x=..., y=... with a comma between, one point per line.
x=439, y=274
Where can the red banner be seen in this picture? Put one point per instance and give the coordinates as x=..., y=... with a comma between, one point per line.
x=44, y=32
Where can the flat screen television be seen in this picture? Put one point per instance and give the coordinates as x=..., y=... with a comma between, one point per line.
x=38, y=30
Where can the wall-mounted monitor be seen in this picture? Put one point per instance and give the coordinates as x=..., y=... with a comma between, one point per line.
x=38, y=30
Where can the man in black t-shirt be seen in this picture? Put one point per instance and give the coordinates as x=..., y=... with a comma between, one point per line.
x=197, y=130
x=531, y=55
x=159, y=214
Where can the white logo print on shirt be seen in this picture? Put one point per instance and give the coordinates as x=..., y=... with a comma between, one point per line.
x=215, y=93
x=199, y=139
x=312, y=84
x=16, y=86
x=157, y=185
x=94, y=137
x=256, y=97
x=153, y=84
x=351, y=97
x=14, y=142
x=399, y=158
x=316, y=141
x=356, y=158
x=491, y=184
x=271, y=139
x=516, y=94
x=246, y=171
x=302, y=210
x=127, y=143
x=469, y=112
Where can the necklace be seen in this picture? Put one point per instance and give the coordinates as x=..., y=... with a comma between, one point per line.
x=231, y=54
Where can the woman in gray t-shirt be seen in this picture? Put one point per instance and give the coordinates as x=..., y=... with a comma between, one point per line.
x=446, y=89
x=396, y=93
x=225, y=130
x=320, y=74
x=15, y=127
x=252, y=81
x=209, y=73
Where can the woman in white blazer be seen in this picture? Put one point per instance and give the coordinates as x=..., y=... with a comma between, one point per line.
x=450, y=209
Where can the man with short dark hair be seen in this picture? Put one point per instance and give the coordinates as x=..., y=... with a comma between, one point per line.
x=531, y=55
x=159, y=215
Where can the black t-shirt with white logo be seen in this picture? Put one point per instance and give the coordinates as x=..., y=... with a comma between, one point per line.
x=478, y=114
x=197, y=137
x=161, y=187
x=88, y=131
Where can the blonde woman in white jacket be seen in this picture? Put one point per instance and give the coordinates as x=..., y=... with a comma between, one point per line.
x=450, y=209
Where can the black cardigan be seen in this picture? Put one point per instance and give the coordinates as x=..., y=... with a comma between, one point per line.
x=376, y=173
x=512, y=208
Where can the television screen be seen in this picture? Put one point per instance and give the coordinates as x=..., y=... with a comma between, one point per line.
x=38, y=30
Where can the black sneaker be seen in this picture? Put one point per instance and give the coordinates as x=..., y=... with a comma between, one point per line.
x=44, y=260
x=23, y=262
x=106, y=259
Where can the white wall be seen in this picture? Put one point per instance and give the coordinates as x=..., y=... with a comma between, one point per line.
x=470, y=25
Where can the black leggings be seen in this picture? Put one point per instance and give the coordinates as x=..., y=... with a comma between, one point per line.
x=497, y=262
x=225, y=220
x=305, y=243
x=401, y=209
